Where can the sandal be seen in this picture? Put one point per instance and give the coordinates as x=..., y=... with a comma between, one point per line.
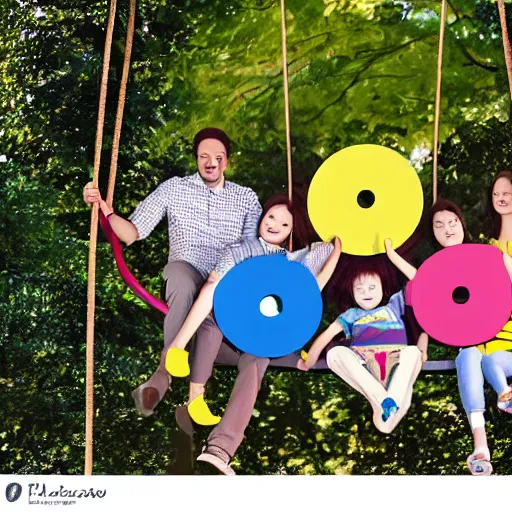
x=505, y=401
x=482, y=466
x=389, y=408
x=146, y=398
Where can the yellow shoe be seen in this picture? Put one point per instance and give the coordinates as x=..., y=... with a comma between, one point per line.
x=200, y=413
x=176, y=362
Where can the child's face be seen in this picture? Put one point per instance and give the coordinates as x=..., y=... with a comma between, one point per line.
x=276, y=225
x=367, y=290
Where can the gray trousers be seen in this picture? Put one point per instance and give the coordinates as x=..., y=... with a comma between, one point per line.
x=183, y=285
x=229, y=433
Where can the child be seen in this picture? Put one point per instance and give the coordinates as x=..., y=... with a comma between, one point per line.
x=378, y=364
x=275, y=228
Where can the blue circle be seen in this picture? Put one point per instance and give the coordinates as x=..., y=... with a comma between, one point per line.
x=237, y=299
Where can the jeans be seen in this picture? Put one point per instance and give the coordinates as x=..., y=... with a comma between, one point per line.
x=470, y=379
x=496, y=368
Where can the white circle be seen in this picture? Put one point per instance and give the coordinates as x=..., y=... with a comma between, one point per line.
x=269, y=306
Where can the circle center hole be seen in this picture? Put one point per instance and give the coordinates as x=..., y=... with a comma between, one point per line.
x=460, y=295
x=271, y=305
x=365, y=198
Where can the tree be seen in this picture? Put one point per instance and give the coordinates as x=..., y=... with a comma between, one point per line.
x=357, y=74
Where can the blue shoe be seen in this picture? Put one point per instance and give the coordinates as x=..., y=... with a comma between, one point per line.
x=389, y=408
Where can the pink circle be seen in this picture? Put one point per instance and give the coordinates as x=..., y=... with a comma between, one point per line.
x=478, y=268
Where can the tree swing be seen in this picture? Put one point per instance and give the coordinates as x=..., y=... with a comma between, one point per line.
x=96, y=214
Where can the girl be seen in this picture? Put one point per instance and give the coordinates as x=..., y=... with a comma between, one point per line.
x=497, y=366
x=378, y=364
x=278, y=220
x=447, y=228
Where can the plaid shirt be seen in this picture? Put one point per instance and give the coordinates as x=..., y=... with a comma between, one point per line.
x=201, y=221
x=313, y=258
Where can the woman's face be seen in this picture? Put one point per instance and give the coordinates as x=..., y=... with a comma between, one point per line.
x=502, y=196
x=276, y=225
x=447, y=228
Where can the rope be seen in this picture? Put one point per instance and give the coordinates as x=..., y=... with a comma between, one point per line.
x=438, y=97
x=286, y=106
x=121, y=103
x=91, y=273
x=506, y=42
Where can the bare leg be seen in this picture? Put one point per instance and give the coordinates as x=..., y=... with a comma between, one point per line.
x=347, y=365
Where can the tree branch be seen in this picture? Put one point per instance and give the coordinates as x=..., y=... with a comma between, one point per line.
x=364, y=68
x=474, y=60
x=265, y=7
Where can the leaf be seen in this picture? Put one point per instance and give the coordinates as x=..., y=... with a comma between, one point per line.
x=329, y=9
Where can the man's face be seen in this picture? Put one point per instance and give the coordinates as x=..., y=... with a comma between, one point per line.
x=211, y=161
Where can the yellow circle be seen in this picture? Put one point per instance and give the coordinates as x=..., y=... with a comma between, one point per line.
x=341, y=193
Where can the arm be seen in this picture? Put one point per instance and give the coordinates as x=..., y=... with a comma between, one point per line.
x=423, y=346
x=320, y=343
x=327, y=270
x=508, y=263
x=124, y=229
x=200, y=310
x=252, y=217
x=406, y=268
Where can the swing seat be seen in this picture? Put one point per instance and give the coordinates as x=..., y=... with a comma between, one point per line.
x=321, y=366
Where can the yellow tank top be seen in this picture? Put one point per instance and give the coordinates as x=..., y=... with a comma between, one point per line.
x=500, y=342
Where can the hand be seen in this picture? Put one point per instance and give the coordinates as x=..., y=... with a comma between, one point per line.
x=92, y=195
x=337, y=245
x=423, y=347
x=388, y=244
x=301, y=365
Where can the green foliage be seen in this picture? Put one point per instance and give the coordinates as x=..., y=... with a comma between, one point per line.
x=359, y=72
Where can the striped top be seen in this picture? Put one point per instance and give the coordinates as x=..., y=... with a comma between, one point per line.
x=503, y=340
x=313, y=258
x=201, y=221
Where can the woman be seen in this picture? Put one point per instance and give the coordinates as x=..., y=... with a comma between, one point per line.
x=447, y=228
x=497, y=365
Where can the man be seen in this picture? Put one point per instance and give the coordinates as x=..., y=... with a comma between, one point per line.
x=204, y=213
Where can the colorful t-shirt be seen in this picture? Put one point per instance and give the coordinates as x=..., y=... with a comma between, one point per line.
x=379, y=326
x=502, y=341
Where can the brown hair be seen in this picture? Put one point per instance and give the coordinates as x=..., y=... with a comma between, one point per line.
x=212, y=133
x=300, y=231
x=492, y=219
x=350, y=267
